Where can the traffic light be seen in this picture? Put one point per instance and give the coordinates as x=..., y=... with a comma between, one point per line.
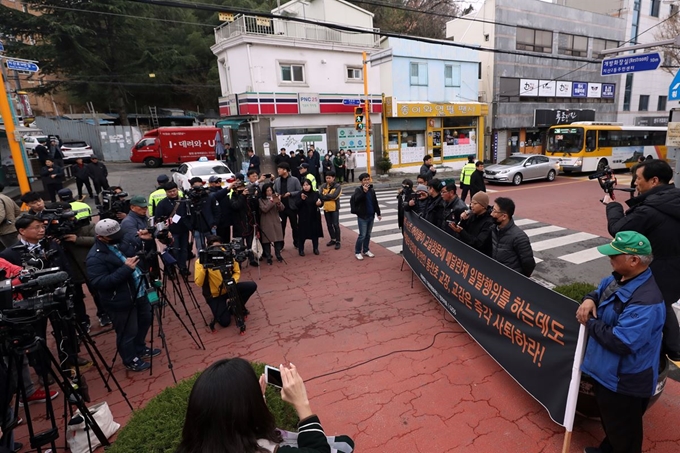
x=359, y=118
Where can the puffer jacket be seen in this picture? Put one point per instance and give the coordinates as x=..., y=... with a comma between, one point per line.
x=511, y=248
x=452, y=211
x=656, y=215
x=477, y=232
x=112, y=278
x=434, y=211
x=625, y=338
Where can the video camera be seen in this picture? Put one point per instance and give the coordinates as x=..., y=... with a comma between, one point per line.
x=112, y=204
x=158, y=228
x=38, y=290
x=221, y=257
x=197, y=194
x=607, y=181
x=60, y=222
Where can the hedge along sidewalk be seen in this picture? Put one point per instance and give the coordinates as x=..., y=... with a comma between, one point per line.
x=157, y=428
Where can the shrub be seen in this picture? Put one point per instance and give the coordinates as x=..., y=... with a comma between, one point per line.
x=157, y=428
x=576, y=291
x=384, y=164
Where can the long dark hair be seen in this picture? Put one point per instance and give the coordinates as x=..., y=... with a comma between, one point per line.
x=226, y=411
x=264, y=189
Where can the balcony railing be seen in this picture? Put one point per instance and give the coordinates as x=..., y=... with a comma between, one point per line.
x=285, y=29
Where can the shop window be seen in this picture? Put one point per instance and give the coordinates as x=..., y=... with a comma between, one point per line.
x=452, y=75
x=573, y=45
x=418, y=74
x=534, y=40
x=464, y=121
x=393, y=140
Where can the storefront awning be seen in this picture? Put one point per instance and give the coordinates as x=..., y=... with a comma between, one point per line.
x=231, y=123
x=311, y=138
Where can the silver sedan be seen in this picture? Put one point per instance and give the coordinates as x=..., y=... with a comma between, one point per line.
x=522, y=167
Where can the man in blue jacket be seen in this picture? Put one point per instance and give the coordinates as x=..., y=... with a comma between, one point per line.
x=112, y=269
x=624, y=318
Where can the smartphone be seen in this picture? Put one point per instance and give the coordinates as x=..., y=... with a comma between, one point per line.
x=273, y=376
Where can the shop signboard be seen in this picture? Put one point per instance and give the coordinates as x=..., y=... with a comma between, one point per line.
x=552, y=117
x=350, y=138
x=293, y=142
x=309, y=103
x=579, y=90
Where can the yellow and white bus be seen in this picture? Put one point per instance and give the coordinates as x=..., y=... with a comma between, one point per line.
x=592, y=146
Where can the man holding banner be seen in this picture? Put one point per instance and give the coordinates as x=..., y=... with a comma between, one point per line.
x=624, y=318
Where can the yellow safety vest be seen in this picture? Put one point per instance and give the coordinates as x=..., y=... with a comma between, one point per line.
x=81, y=209
x=466, y=173
x=311, y=179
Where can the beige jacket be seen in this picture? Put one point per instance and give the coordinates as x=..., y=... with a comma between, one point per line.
x=9, y=211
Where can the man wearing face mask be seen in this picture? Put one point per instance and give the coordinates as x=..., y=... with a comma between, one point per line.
x=510, y=245
x=112, y=269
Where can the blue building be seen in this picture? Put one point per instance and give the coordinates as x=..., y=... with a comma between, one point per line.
x=431, y=102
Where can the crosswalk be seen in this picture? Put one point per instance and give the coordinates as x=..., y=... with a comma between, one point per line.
x=554, y=246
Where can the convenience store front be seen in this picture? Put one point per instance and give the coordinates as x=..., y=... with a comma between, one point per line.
x=448, y=131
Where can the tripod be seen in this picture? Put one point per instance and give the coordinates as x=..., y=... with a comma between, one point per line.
x=234, y=304
x=171, y=273
x=21, y=339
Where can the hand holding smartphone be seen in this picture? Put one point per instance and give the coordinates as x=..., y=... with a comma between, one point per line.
x=273, y=376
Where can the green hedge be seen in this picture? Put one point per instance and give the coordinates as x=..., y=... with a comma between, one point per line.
x=575, y=291
x=157, y=428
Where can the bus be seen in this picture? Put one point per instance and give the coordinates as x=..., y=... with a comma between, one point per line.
x=586, y=146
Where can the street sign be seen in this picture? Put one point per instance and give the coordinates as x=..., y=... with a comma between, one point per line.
x=631, y=63
x=2, y=48
x=22, y=66
x=351, y=102
x=673, y=134
x=674, y=88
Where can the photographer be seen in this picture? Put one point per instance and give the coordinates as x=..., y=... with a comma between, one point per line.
x=175, y=212
x=204, y=211
x=135, y=225
x=419, y=203
x=655, y=213
x=112, y=268
x=119, y=205
x=215, y=290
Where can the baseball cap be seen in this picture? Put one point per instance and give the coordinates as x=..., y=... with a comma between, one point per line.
x=304, y=165
x=215, y=179
x=627, y=243
x=139, y=200
x=65, y=194
x=162, y=179
x=108, y=228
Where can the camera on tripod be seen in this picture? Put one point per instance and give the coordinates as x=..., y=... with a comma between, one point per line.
x=158, y=228
x=112, y=204
x=221, y=257
x=197, y=195
x=60, y=222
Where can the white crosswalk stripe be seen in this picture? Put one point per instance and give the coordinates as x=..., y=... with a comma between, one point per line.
x=551, y=243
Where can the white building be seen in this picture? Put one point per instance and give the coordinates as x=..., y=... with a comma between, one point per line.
x=287, y=84
x=642, y=99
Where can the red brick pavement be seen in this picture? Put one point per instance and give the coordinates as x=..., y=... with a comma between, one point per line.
x=330, y=312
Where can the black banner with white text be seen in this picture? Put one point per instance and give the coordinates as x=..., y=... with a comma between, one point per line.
x=528, y=329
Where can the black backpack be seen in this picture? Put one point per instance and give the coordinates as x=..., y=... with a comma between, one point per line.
x=353, y=204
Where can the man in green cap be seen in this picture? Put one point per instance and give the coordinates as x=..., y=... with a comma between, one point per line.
x=135, y=224
x=624, y=318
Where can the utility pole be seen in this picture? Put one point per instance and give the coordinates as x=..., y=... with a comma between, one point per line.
x=13, y=137
x=367, y=116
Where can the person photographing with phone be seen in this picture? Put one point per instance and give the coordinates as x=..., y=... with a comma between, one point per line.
x=227, y=412
x=364, y=204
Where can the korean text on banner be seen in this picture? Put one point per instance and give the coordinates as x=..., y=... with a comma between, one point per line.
x=528, y=329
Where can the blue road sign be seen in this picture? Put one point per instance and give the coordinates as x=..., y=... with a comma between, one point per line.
x=631, y=63
x=22, y=66
x=2, y=48
x=674, y=88
x=351, y=102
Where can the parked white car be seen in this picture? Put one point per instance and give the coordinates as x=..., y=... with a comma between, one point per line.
x=31, y=141
x=202, y=169
x=76, y=149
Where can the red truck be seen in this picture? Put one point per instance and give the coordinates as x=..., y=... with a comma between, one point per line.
x=172, y=145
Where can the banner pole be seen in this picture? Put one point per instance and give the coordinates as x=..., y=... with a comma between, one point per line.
x=572, y=396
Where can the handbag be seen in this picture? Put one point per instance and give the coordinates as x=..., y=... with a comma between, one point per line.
x=77, y=435
x=257, y=248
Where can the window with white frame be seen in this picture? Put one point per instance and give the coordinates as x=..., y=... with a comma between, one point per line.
x=292, y=73
x=452, y=75
x=419, y=74
x=354, y=74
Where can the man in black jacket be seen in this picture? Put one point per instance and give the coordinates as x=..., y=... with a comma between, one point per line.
x=434, y=209
x=99, y=174
x=366, y=208
x=477, y=179
x=453, y=207
x=112, y=269
x=655, y=213
x=282, y=157
x=253, y=161
x=174, y=211
x=511, y=245
x=476, y=225
x=427, y=170
x=82, y=175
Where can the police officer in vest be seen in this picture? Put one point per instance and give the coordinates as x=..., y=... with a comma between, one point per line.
x=306, y=174
x=466, y=176
x=82, y=210
x=158, y=194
